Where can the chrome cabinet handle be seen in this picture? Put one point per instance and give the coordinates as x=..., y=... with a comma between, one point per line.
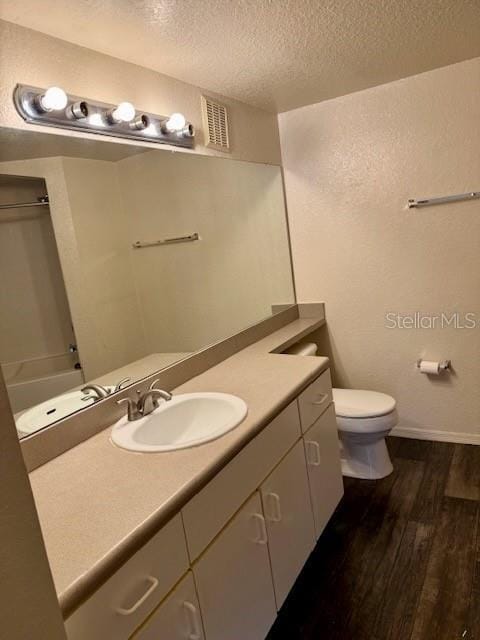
x=322, y=397
x=273, y=500
x=315, y=447
x=261, y=529
x=192, y=615
x=153, y=585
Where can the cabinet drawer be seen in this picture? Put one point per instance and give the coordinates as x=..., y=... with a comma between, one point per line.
x=206, y=514
x=177, y=618
x=315, y=399
x=322, y=452
x=131, y=594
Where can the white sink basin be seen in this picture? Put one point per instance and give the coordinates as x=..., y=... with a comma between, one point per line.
x=185, y=421
x=48, y=412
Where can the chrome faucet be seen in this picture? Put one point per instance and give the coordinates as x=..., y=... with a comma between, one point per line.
x=99, y=391
x=147, y=402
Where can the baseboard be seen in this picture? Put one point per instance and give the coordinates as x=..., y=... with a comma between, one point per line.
x=439, y=436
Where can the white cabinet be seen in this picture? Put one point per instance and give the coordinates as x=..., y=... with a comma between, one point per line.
x=322, y=452
x=122, y=603
x=234, y=580
x=177, y=618
x=213, y=506
x=244, y=559
x=288, y=514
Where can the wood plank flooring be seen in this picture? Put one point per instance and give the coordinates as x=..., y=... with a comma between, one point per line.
x=400, y=559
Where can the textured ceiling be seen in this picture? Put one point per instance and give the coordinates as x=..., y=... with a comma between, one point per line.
x=275, y=54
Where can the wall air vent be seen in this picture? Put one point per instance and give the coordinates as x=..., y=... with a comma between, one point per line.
x=215, y=122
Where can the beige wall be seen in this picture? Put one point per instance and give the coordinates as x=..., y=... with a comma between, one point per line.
x=194, y=294
x=97, y=209
x=350, y=165
x=31, y=57
x=28, y=606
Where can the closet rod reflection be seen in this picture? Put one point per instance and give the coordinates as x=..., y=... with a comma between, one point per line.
x=43, y=202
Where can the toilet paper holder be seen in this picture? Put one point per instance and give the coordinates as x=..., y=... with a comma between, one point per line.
x=443, y=365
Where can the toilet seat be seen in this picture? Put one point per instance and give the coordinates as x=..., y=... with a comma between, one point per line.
x=378, y=424
x=358, y=403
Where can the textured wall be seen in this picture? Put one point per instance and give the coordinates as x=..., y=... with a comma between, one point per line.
x=350, y=166
x=33, y=58
x=115, y=336
x=194, y=294
x=28, y=607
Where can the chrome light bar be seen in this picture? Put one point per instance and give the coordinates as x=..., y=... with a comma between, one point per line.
x=55, y=108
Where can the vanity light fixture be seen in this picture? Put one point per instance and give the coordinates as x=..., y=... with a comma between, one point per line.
x=54, y=108
x=124, y=112
x=78, y=110
x=141, y=122
x=54, y=99
x=176, y=122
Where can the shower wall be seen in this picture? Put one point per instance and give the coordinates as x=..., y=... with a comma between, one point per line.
x=35, y=323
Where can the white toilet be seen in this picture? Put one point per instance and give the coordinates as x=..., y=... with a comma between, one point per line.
x=364, y=419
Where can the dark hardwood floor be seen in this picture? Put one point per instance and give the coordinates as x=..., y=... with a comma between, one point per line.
x=400, y=559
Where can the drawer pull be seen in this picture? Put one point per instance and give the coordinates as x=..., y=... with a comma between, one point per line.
x=261, y=537
x=321, y=399
x=192, y=615
x=314, y=447
x=273, y=500
x=153, y=585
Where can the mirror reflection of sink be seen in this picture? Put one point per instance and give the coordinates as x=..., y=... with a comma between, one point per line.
x=185, y=421
x=45, y=413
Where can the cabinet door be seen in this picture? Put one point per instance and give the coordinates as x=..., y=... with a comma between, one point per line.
x=234, y=581
x=288, y=513
x=177, y=618
x=322, y=452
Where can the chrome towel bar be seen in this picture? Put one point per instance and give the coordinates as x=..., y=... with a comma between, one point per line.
x=426, y=202
x=158, y=243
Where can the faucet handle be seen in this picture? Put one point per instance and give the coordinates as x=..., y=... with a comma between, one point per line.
x=120, y=384
x=152, y=386
x=133, y=411
x=166, y=395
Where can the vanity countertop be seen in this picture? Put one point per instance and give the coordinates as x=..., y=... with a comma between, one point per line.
x=98, y=504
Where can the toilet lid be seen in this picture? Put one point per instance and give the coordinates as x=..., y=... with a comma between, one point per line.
x=356, y=403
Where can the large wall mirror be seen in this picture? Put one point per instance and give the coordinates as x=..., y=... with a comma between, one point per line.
x=117, y=261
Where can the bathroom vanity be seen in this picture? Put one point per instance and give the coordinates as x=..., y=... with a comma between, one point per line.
x=189, y=289
x=203, y=542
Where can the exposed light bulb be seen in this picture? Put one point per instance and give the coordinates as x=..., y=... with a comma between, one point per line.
x=124, y=112
x=54, y=99
x=96, y=120
x=176, y=122
x=151, y=130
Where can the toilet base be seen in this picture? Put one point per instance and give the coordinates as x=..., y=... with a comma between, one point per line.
x=369, y=461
